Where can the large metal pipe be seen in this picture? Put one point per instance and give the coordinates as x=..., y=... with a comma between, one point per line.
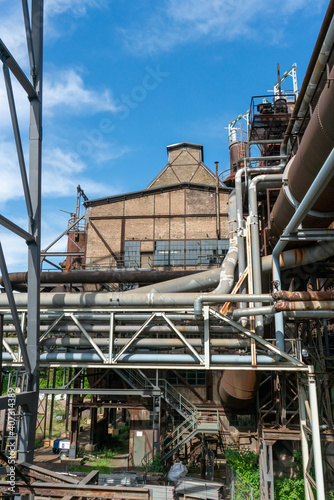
x=151, y=328
x=114, y=299
x=316, y=66
x=227, y=270
x=239, y=214
x=238, y=388
x=153, y=343
x=319, y=58
x=254, y=185
x=108, y=276
x=317, y=189
x=315, y=148
x=309, y=295
x=92, y=357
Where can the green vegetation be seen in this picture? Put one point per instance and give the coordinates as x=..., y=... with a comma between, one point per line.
x=156, y=465
x=245, y=463
x=292, y=488
x=38, y=443
x=102, y=458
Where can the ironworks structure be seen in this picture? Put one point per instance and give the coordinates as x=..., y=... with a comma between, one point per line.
x=27, y=400
x=178, y=324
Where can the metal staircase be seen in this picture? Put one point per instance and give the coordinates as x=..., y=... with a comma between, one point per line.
x=195, y=419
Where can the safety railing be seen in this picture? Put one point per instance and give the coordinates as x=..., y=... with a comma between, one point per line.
x=238, y=487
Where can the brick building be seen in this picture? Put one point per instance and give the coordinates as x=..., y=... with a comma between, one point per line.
x=173, y=223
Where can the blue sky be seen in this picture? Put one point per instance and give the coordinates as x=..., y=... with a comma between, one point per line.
x=125, y=78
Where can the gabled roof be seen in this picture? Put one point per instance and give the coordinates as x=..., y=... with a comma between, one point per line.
x=185, y=164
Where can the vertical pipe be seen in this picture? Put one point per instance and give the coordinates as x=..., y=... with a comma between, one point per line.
x=111, y=337
x=68, y=400
x=206, y=337
x=217, y=203
x=240, y=228
x=279, y=81
x=255, y=237
x=52, y=402
x=303, y=433
x=319, y=473
x=1, y=338
x=46, y=402
x=326, y=337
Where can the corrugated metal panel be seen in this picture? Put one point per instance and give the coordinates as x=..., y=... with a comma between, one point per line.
x=197, y=488
x=161, y=492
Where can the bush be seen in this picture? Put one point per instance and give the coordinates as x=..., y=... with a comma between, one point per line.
x=245, y=463
x=156, y=465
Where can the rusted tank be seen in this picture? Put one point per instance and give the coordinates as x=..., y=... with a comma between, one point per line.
x=237, y=152
x=237, y=388
x=317, y=143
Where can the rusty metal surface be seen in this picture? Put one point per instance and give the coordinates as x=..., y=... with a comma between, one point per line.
x=314, y=305
x=302, y=296
x=87, y=491
x=237, y=389
x=317, y=143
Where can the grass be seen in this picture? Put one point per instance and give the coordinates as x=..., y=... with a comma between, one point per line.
x=102, y=458
x=101, y=461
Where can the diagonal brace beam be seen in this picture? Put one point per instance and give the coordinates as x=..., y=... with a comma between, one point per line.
x=89, y=338
x=138, y=332
x=16, y=229
x=17, y=137
x=183, y=339
x=258, y=339
x=29, y=38
x=13, y=309
x=19, y=74
x=51, y=327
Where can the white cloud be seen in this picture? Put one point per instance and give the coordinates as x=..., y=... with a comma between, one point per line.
x=21, y=104
x=63, y=171
x=175, y=23
x=15, y=251
x=12, y=22
x=67, y=89
x=75, y=7
x=10, y=185
x=108, y=152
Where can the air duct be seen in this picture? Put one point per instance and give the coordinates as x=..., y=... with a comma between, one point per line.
x=317, y=143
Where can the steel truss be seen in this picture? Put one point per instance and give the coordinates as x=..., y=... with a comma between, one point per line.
x=110, y=338
x=27, y=400
x=177, y=339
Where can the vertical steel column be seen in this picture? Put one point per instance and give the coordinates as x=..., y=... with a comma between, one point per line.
x=206, y=337
x=1, y=338
x=303, y=433
x=52, y=402
x=35, y=154
x=111, y=336
x=319, y=473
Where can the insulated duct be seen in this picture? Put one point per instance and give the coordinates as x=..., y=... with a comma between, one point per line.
x=317, y=143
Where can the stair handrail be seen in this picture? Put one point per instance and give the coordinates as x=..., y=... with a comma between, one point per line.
x=183, y=402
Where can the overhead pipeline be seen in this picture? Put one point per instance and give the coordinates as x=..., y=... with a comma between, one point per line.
x=316, y=145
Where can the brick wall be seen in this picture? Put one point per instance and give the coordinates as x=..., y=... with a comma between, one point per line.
x=177, y=215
